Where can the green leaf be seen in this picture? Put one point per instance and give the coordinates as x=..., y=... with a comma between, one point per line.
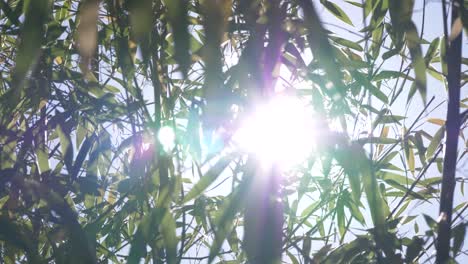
x=464, y=16
x=435, y=142
x=388, y=119
x=419, y=64
x=168, y=231
x=320, y=46
x=413, y=249
x=355, y=211
x=224, y=222
x=376, y=44
x=177, y=11
x=432, y=50
x=390, y=53
x=340, y=215
x=3, y=200
x=459, y=236
x=400, y=179
x=378, y=140
x=210, y=176
x=66, y=148
x=81, y=156
x=141, y=17
x=18, y=235
x=137, y=248
x=384, y=75
x=336, y=11
x=32, y=37
x=347, y=43
x=292, y=258
x=410, y=158
x=42, y=159
x=401, y=12
x=376, y=92
x=443, y=58
x=430, y=222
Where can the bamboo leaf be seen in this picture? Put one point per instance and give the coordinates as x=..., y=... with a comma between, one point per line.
x=419, y=64
x=32, y=37
x=457, y=28
x=228, y=212
x=168, y=231
x=141, y=17
x=377, y=140
x=377, y=93
x=66, y=147
x=210, y=176
x=432, y=50
x=435, y=142
x=340, y=215
x=42, y=160
x=436, y=121
x=459, y=237
x=320, y=46
x=337, y=11
x=178, y=19
x=347, y=43
x=383, y=75
x=410, y=158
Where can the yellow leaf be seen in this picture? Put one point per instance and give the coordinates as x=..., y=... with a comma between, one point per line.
x=411, y=159
x=58, y=60
x=436, y=121
x=456, y=29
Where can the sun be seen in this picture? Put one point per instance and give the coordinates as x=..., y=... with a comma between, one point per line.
x=279, y=132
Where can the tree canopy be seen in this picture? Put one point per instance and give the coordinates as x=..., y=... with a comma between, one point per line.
x=120, y=127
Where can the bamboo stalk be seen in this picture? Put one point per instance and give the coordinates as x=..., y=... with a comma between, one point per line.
x=453, y=130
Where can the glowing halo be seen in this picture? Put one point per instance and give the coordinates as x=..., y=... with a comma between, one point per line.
x=280, y=131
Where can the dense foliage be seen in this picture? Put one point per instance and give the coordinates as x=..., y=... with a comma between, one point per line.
x=90, y=91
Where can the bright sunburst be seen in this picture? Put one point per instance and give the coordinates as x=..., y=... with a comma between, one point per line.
x=279, y=131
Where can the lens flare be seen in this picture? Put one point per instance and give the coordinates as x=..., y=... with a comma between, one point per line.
x=280, y=131
x=167, y=136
